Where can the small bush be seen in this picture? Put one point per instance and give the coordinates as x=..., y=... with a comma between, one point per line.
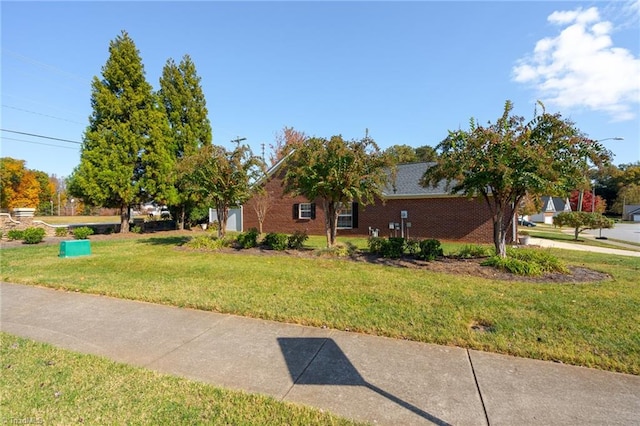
x=297, y=239
x=82, y=233
x=33, y=235
x=430, y=249
x=62, y=232
x=248, y=239
x=276, y=241
x=393, y=248
x=136, y=229
x=471, y=251
x=206, y=242
x=375, y=245
x=412, y=247
x=15, y=234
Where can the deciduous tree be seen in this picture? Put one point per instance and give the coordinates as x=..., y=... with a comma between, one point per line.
x=125, y=157
x=337, y=172
x=11, y=172
x=286, y=141
x=582, y=221
x=223, y=177
x=27, y=193
x=401, y=154
x=503, y=161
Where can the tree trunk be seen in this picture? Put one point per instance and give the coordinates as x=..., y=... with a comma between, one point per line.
x=223, y=214
x=181, y=217
x=330, y=221
x=124, y=219
x=499, y=234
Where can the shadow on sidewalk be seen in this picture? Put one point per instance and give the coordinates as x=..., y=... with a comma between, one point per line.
x=330, y=366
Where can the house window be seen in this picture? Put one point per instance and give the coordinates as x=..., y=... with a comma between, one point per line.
x=345, y=216
x=304, y=211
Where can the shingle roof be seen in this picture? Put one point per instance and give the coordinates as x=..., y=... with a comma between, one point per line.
x=559, y=204
x=407, y=182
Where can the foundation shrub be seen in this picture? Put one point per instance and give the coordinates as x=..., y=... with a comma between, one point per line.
x=276, y=241
x=296, y=240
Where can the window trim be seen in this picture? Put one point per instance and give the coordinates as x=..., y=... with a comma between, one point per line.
x=350, y=216
x=308, y=210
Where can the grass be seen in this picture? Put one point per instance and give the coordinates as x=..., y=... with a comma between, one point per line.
x=594, y=325
x=41, y=384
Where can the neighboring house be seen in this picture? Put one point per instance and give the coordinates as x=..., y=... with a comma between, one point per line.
x=413, y=211
x=551, y=206
x=631, y=212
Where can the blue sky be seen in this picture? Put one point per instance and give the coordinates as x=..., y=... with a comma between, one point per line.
x=406, y=71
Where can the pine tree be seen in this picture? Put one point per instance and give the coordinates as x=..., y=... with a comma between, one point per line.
x=185, y=106
x=125, y=157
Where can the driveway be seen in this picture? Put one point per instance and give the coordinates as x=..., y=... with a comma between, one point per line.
x=621, y=231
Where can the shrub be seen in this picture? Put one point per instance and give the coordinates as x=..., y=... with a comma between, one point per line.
x=82, y=233
x=471, y=251
x=276, y=241
x=413, y=247
x=136, y=229
x=33, y=235
x=15, y=234
x=248, y=239
x=393, y=247
x=207, y=242
x=375, y=245
x=61, y=232
x=297, y=239
x=430, y=249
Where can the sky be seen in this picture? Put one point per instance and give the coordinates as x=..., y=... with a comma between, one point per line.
x=406, y=72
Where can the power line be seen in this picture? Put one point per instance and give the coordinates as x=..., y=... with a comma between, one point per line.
x=37, y=143
x=39, y=113
x=40, y=136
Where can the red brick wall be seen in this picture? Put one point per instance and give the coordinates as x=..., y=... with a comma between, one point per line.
x=442, y=218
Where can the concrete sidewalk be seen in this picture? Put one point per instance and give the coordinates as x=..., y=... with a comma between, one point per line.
x=374, y=379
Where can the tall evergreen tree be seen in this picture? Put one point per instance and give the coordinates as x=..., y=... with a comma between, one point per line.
x=185, y=106
x=125, y=158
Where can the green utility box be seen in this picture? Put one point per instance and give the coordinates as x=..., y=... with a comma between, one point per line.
x=75, y=248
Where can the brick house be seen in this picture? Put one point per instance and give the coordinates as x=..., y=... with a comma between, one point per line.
x=429, y=212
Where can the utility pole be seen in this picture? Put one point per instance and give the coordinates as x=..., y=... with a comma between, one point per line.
x=238, y=139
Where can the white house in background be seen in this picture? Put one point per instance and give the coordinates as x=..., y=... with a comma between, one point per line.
x=551, y=206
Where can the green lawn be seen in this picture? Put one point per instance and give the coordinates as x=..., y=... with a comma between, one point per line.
x=594, y=324
x=41, y=384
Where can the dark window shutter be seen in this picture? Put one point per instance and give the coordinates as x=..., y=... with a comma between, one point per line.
x=313, y=210
x=354, y=215
x=295, y=210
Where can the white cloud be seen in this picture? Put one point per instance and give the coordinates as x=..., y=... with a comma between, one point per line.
x=581, y=68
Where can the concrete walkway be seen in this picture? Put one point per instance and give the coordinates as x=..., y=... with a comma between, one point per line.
x=379, y=380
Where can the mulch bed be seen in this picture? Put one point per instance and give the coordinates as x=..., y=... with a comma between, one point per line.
x=451, y=265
